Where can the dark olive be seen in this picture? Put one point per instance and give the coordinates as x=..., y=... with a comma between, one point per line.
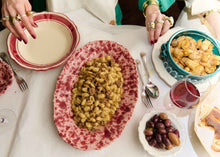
x=160, y=120
x=152, y=142
x=167, y=122
x=148, y=138
x=162, y=145
x=157, y=145
x=164, y=136
x=177, y=133
x=150, y=124
x=162, y=131
x=166, y=141
x=170, y=129
x=155, y=118
x=160, y=126
x=158, y=137
x=148, y=132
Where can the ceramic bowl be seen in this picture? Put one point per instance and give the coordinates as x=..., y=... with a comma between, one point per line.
x=174, y=69
x=176, y=123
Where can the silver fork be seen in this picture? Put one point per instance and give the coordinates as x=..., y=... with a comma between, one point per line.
x=144, y=96
x=20, y=81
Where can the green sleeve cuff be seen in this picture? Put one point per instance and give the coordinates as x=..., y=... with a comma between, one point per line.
x=118, y=14
x=163, y=4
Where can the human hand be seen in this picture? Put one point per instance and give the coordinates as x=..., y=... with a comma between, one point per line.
x=156, y=23
x=11, y=9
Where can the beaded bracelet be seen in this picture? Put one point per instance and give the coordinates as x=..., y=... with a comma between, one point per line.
x=204, y=15
x=149, y=2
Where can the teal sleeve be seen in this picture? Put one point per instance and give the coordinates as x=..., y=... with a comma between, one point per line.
x=163, y=4
x=118, y=14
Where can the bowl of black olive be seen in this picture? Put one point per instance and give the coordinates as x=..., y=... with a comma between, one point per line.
x=161, y=133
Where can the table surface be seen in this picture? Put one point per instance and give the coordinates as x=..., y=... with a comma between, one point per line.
x=35, y=133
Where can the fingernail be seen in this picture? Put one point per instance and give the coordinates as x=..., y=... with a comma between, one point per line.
x=25, y=41
x=160, y=35
x=33, y=36
x=151, y=42
x=19, y=39
x=35, y=24
x=155, y=41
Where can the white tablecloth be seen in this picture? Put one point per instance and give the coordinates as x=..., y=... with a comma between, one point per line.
x=35, y=134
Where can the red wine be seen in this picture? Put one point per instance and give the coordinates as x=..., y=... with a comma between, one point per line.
x=184, y=94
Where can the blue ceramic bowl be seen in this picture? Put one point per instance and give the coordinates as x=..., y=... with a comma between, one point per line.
x=174, y=69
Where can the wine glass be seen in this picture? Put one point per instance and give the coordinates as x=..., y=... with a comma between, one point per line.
x=186, y=93
x=7, y=119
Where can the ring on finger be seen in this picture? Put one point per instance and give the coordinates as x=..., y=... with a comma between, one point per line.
x=29, y=13
x=18, y=18
x=159, y=21
x=170, y=19
x=23, y=15
x=151, y=25
x=4, y=18
x=12, y=20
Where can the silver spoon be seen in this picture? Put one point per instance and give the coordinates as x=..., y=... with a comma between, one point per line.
x=144, y=96
x=151, y=89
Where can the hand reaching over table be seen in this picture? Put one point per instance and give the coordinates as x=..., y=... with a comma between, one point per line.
x=157, y=23
x=15, y=14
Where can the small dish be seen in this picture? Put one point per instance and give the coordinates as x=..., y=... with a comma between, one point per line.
x=174, y=69
x=6, y=76
x=57, y=39
x=161, y=152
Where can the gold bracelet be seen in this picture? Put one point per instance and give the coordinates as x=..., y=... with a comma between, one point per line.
x=203, y=19
x=147, y=3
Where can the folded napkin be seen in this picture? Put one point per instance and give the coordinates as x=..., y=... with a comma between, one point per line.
x=102, y=9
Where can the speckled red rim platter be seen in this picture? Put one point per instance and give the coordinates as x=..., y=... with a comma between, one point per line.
x=6, y=76
x=63, y=115
x=12, y=42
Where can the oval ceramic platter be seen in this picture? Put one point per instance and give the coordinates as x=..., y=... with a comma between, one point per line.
x=63, y=115
x=57, y=39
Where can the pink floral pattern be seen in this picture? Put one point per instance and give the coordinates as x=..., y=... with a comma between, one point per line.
x=63, y=115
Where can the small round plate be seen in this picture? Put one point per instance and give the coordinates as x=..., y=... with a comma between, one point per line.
x=159, y=152
x=6, y=77
x=57, y=39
